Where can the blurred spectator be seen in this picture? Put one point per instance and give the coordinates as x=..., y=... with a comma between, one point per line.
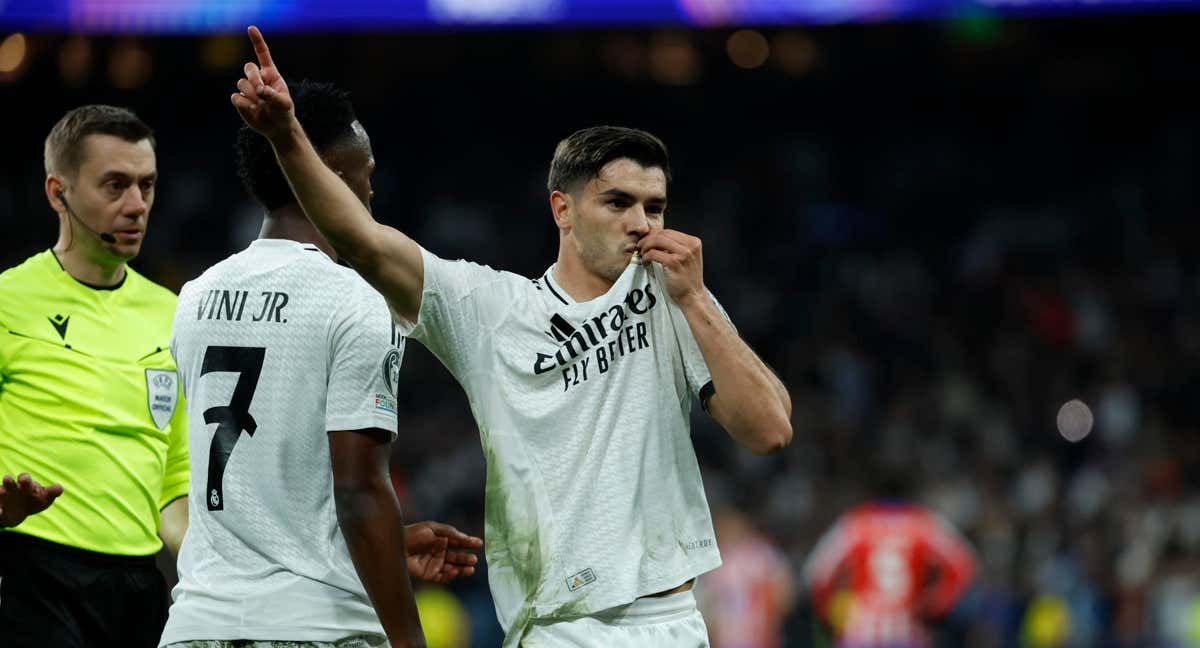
x=745, y=600
x=884, y=571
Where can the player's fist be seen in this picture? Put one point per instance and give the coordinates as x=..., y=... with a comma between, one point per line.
x=262, y=98
x=682, y=260
x=22, y=497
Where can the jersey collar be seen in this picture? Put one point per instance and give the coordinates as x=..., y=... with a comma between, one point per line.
x=286, y=244
x=556, y=291
x=84, y=283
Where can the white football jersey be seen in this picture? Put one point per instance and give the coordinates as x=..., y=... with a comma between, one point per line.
x=593, y=494
x=276, y=346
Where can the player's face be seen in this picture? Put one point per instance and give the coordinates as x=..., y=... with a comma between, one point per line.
x=354, y=161
x=623, y=203
x=112, y=192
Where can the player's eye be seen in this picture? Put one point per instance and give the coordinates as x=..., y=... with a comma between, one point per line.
x=147, y=186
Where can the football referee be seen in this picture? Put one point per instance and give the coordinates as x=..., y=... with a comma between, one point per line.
x=89, y=399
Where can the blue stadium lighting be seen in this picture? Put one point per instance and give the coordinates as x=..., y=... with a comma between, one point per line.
x=206, y=16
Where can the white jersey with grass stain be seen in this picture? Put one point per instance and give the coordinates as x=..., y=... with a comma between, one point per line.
x=593, y=492
x=276, y=346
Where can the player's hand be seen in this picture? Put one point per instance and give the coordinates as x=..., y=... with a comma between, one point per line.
x=262, y=98
x=22, y=497
x=434, y=552
x=681, y=259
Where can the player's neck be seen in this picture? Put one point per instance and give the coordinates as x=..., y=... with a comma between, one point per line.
x=574, y=277
x=289, y=222
x=86, y=265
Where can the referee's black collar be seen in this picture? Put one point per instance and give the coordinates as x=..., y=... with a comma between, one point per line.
x=86, y=284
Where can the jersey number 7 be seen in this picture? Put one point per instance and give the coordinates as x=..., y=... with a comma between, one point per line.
x=233, y=418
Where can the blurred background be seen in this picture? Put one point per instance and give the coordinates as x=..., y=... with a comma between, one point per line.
x=937, y=220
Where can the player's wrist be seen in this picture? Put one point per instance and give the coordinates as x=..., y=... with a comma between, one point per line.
x=287, y=137
x=694, y=302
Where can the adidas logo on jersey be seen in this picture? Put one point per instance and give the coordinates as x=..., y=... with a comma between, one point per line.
x=585, y=577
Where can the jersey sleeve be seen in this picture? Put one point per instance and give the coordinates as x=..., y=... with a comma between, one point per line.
x=695, y=368
x=461, y=304
x=178, y=469
x=7, y=342
x=364, y=365
x=6, y=346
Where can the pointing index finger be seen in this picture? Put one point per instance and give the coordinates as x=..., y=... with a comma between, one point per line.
x=260, y=47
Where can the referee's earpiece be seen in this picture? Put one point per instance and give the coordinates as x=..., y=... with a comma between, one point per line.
x=104, y=236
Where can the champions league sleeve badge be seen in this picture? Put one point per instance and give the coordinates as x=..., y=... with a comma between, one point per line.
x=391, y=381
x=391, y=371
x=162, y=395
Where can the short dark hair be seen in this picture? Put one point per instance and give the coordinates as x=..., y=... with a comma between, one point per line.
x=582, y=155
x=325, y=112
x=64, y=145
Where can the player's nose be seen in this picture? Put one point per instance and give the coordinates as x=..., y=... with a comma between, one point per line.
x=638, y=223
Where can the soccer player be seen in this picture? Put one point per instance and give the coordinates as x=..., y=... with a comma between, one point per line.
x=581, y=381
x=290, y=364
x=89, y=400
x=884, y=570
x=748, y=597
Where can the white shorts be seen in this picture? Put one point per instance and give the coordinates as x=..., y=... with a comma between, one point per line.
x=666, y=622
x=352, y=642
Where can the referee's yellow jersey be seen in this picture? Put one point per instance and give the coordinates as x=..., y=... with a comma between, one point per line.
x=90, y=399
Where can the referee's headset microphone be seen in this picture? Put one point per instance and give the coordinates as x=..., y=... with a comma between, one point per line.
x=104, y=236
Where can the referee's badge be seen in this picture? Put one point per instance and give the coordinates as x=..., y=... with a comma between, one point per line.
x=162, y=395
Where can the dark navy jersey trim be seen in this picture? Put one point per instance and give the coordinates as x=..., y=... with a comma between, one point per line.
x=550, y=285
x=706, y=393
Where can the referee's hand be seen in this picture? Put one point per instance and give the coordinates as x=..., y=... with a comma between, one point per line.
x=22, y=497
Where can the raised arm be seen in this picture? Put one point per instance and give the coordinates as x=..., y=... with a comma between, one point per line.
x=748, y=400
x=384, y=256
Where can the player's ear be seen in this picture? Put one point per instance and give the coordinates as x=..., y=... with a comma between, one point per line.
x=562, y=205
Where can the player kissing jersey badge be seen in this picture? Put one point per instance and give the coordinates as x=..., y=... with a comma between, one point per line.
x=161, y=395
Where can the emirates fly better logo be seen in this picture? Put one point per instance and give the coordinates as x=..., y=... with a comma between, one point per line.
x=592, y=348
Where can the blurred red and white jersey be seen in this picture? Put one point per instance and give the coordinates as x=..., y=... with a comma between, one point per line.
x=746, y=599
x=883, y=570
